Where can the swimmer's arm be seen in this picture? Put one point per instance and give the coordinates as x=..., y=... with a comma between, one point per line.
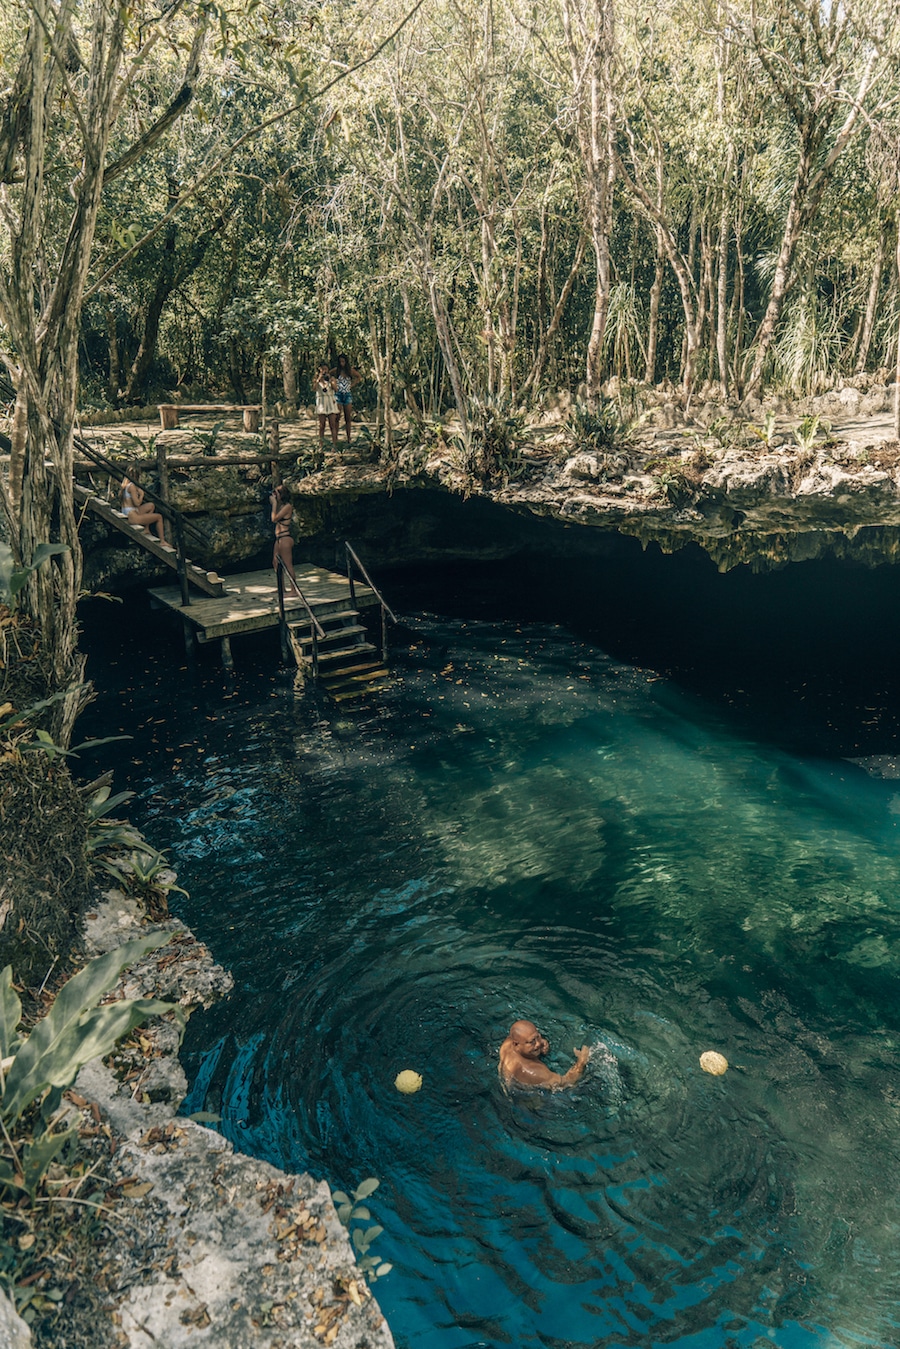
x=539, y=1075
x=563, y=1080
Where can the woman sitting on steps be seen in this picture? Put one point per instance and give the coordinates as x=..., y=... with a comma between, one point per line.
x=134, y=506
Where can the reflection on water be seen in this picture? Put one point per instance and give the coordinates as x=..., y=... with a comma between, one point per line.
x=525, y=828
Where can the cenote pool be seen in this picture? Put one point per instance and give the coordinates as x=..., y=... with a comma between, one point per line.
x=655, y=856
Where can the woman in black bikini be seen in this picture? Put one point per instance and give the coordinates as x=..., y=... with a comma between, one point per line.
x=282, y=513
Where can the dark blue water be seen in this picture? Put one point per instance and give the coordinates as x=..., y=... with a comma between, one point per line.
x=655, y=864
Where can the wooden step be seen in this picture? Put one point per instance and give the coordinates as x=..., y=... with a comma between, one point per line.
x=361, y=692
x=352, y=681
x=361, y=648
x=353, y=669
x=325, y=619
x=335, y=636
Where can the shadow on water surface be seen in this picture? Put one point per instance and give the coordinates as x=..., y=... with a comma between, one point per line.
x=532, y=824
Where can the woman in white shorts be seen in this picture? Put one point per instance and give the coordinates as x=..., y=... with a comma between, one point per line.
x=326, y=406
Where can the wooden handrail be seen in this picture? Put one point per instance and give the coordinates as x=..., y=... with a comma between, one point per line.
x=351, y=556
x=317, y=628
x=170, y=513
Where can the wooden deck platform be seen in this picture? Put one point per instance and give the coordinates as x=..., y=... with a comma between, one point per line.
x=250, y=601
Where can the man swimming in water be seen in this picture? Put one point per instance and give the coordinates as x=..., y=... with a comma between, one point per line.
x=521, y=1054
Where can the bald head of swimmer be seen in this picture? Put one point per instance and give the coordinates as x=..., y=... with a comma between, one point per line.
x=528, y=1041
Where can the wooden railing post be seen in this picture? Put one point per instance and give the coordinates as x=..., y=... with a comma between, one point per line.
x=162, y=469
x=349, y=560
x=282, y=621
x=180, y=560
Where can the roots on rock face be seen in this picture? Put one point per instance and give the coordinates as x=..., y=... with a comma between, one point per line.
x=44, y=865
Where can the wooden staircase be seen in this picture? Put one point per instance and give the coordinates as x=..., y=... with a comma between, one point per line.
x=345, y=664
x=207, y=581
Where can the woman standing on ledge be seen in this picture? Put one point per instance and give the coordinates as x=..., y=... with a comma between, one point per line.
x=345, y=377
x=282, y=513
x=134, y=506
x=326, y=408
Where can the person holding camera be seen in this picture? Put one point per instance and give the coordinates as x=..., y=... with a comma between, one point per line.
x=324, y=385
x=282, y=514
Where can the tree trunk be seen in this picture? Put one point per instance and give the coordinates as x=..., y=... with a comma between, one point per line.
x=897, y=364
x=868, y=326
x=653, y=322
x=388, y=388
x=793, y=227
x=289, y=378
x=589, y=38
x=536, y=372
x=19, y=437
x=722, y=289
x=114, y=379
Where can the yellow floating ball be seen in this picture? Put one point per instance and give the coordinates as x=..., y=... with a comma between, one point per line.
x=714, y=1063
x=408, y=1081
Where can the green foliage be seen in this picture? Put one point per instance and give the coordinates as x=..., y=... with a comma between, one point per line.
x=808, y=349
x=77, y=1028
x=725, y=431
x=601, y=426
x=14, y=726
x=354, y=1210
x=44, y=741
x=13, y=578
x=676, y=482
x=807, y=430
x=104, y=834
x=492, y=448
x=207, y=439
x=766, y=432
x=149, y=867
x=273, y=318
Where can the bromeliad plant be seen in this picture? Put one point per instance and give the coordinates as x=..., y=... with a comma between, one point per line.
x=808, y=429
x=492, y=444
x=37, y=1068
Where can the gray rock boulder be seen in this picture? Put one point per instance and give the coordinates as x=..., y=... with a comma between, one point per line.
x=14, y=1334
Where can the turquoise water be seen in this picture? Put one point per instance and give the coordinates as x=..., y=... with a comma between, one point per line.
x=527, y=826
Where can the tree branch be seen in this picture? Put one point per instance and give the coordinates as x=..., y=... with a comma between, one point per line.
x=162, y=124
x=242, y=140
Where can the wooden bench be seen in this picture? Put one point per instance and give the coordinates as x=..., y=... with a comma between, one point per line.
x=168, y=412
